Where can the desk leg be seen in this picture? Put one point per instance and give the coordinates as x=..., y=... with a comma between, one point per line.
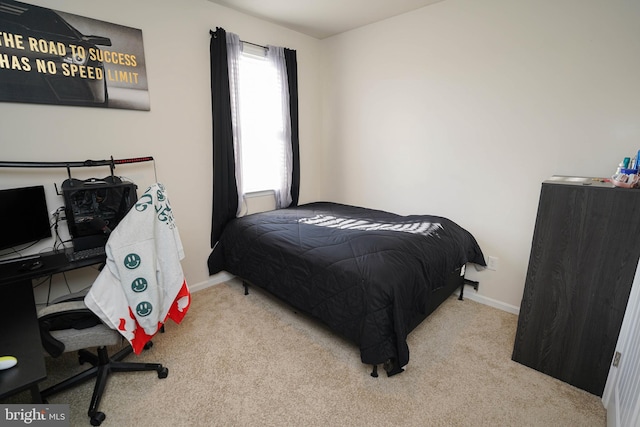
x=20, y=337
x=35, y=394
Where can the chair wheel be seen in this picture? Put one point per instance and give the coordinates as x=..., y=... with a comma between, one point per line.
x=98, y=418
x=163, y=373
x=148, y=345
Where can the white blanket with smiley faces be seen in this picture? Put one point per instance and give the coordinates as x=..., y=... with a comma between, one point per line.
x=142, y=283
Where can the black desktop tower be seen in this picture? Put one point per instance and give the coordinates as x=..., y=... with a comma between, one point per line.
x=94, y=207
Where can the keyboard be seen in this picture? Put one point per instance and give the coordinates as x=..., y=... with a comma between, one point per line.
x=86, y=254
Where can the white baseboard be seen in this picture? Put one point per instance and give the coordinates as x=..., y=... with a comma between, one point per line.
x=216, y=279
x=473, y=296
x=223, y=276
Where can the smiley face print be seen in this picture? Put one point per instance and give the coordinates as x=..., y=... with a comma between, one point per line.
x=139, y=285
x=132, y=261
x=144, y=309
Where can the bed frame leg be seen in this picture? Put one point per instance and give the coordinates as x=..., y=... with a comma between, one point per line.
x=468, y=282
x=374, y=374
x=246, y=287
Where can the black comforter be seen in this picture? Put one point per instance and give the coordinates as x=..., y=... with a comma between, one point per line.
x=367, y=274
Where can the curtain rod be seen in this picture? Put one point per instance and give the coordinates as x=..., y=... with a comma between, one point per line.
x=213, y=33
x=255, y=44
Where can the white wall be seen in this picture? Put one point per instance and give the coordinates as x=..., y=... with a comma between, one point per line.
x=463, y=108
x=177, y=131
x=459, y=109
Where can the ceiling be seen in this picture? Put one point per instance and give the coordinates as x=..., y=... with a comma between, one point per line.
x=324, y=18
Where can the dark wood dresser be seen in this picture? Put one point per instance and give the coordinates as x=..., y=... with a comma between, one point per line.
x=584, y=255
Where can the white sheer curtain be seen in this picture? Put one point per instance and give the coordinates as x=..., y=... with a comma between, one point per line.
x=275, y=56
x=261, y=122
x=234, y=50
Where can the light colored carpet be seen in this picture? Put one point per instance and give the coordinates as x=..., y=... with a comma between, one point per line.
x=251, y=361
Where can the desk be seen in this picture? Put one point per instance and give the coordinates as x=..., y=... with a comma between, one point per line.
x=19, y=330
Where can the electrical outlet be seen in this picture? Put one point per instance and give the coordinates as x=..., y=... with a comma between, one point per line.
x=492, y=263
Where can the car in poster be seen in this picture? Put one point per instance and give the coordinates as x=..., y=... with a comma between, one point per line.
x=44, y=59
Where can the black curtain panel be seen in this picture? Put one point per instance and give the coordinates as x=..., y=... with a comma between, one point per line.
x=292, y=76
x=225, y=191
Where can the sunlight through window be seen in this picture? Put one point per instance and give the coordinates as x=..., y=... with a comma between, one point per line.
x=261, y=124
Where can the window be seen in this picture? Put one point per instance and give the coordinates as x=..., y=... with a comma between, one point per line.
x=228, y=147
x=261, y=122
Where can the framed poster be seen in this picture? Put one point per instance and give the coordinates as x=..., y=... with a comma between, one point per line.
x=52, y=57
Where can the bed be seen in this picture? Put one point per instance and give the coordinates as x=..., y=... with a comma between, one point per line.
x=369, y=275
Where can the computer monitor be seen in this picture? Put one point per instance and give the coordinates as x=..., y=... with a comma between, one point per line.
x=94, y=207
x=24, y=217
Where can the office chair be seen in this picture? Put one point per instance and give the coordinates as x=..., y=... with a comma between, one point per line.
x=141, y=286
x=68, y=325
